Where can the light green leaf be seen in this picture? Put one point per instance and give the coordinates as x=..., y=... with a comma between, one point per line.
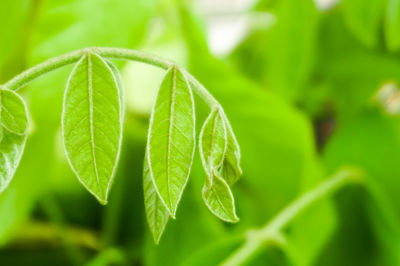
x=213, y=141
x=231, y=170
x=13, y=113
x=156, y=213
x=120, y=86
x=392, y=25
x=14, y=125
x=213, y=147
x=363, y=19
x=171, y=139
x=92, y=124
x=219, y=199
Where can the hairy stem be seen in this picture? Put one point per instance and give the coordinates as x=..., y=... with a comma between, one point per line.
x=34, y=72
x=271, y=233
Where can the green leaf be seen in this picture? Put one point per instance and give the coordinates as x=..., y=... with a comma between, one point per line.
x=213, y=141
x=363, y=19
x=213, y=146
x=92, y=124
x=171, y=138
x=231, y=170
x=13, y=113
x=157, y=214
x=219, y=199
x=14, y=125
x=392, y=25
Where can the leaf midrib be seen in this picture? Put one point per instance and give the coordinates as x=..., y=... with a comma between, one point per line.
x=91, y=128
x=171, y=122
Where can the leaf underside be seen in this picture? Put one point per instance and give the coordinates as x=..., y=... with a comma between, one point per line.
x=14, y=125
x=219, y=153
x=219, y=199
x=92, y=123
x=171, y=140
x=156, y=213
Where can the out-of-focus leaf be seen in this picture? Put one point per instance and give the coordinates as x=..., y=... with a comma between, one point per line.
x=392, y=25
x=14, y=126
x=73, y=24
x=363, y=19
x=92, y=124
x=371, y=141
x=281, y=58
x=171, y=141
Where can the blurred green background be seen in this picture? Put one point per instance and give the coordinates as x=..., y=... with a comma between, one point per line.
x=309, y=86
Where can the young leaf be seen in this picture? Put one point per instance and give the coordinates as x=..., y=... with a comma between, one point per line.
x=14, y=125
x=219, y=199
x=213, y=149
x=171, y=139
x=213, y=141
x=156, y=213
x=92, y=124
x=231, y=170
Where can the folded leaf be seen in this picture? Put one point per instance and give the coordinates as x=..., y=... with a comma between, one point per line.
x=213, y=145
x=213, y=141
x=171, y=139
x=14, y=125
x=219, y=199
x=231, y=170
x=92, y=124
x=156, y=213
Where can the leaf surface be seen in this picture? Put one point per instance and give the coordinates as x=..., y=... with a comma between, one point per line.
x=219, y=199
x=213, y=147
x=213, y=141
x=231, y=170
x=92, y=123
x=171, y=139
x=156, y=213
x=392, y=25
x=14, y=125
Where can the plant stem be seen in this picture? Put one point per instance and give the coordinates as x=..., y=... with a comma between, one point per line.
x=272, y=231
x=34, y=72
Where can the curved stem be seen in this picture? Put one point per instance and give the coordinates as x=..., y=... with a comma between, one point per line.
x=34, y=72
x=271, y=233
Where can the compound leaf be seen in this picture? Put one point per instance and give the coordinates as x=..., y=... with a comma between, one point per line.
x=14, y=125
x=92, y=124
x=171, y=139
x=156, y=213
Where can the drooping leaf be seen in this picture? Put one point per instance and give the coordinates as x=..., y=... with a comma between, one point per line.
x=13, y=113
x=120, y=86
x=213, y=141
x=171, y=139
x=392, y=25
x=14, y=125
x=92, y=124
x=231, y=170
x=156, y=213
x=213, y=145
x=219, y=199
